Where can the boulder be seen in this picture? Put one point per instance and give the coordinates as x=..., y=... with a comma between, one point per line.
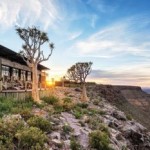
x=77, y=90
x=119, y=115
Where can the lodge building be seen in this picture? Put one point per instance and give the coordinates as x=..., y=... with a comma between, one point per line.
x=14, y=72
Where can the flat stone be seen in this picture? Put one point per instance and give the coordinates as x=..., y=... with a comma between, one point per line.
x=57, y=142
x=55, y=135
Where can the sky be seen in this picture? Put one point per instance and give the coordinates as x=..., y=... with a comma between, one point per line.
x=113, y=34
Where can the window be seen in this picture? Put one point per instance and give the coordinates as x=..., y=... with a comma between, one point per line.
x=15, y=73
x=29, y=76
x=5, y=71
x=23, y=75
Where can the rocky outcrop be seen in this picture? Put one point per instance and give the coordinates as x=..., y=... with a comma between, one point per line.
x=130, y=99
x=124, y=133
x=80, y=132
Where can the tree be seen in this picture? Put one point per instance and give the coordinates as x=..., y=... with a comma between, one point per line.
x=33, y=54
x=78, y=73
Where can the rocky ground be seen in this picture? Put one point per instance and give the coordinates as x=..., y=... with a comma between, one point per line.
x=72, y=126
x=129, y=99
x=125, y=132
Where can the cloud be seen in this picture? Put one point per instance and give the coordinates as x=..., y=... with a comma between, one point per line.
x=93, y=20
x=74, y=35
x=120, y=38
x=103, y=6
x=29, y=12
x=124, y=75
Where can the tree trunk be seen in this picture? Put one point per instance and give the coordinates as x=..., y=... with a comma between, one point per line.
x=84, y=97
x=62, y=83
x=35, y=91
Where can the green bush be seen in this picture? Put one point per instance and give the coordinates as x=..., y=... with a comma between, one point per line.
x=67, y=100
x=101, y=112
x=102, y=127
x=94, y=122
x=40, y=123
x=78, y=114
x=6, y=143
x=92, y=111
x=82, y=105
x=50, y=100
x=66, y=129
x=49, y=109
x=58, y=108
x=9, y=125
x=74, y=144
x=10, y=105
x=26, y=114
x=67, y=104
x=31, y=138
x=129, y=116
x=5, y=106
x=99, y=140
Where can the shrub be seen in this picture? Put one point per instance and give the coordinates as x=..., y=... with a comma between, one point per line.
x=66, y=129
x=67, y=100
x=99, y=140
x=49, y=109
x=40, y=123
x=74, y=144
x=26, y=114
x=10, y=105
x=5, y=106
x=9, y=125
x=26, y=103
x=101, y=112
x=104, y=128
x=92, y=111
x=67, y=104
x=82, y=105
x=129, y=117
x=94, y=122
x=31, y=138
x=58, y=108
x=77, y=112
x=6, y=143
x=50, y=100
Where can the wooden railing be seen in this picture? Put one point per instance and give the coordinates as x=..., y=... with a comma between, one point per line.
x=22, y=94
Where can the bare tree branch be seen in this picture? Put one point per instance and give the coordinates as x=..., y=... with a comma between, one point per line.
x=79, y=71
x=33, y=40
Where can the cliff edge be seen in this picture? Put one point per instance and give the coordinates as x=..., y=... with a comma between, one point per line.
x=130, y=99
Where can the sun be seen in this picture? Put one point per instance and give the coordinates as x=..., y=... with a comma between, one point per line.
x=50, y=82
